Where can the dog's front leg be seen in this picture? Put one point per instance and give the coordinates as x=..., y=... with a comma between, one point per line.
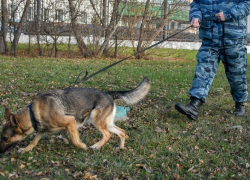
x=74, y=134
x=32, y=144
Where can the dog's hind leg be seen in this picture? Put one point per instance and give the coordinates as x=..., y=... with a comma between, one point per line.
x=32, y=144
x=116, y=130
x=100, y=120
x=120, y=132
x=73, y=131
x=105, y=137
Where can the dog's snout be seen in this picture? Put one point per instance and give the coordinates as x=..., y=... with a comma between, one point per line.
x=2, y=147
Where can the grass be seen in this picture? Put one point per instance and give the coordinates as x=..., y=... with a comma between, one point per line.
x=161, y=143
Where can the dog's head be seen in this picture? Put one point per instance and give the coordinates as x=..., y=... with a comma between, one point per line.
x=11, y=133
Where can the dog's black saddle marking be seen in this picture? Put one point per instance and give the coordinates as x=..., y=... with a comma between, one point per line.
x=32, y=118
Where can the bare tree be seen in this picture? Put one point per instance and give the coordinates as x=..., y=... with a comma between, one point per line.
x=4, y=29
x=148, y=30
x=93, y=36
x=81, y=45
x=175, y=8
x=54, y=30
x=113, y=24
x=17, y=32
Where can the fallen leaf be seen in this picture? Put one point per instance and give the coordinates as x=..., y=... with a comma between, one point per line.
x=176, y=176
x=78, y=175
x=247, y=166
x=65, y=141
x=145, y=167
x=239, y=127
x=90, y=175
x=13, y=175
x=13, y=160
x=170, y=149
x=39, y=174
x=157, y=129
x=190, y=169
x=195, y=171
x=86, y=176
x=22, y=166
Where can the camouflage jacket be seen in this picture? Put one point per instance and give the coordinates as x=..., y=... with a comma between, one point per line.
x=212, y=31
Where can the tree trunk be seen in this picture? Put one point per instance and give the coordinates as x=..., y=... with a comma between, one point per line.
x=1, y=45
x=38, y=24
x=165, y=28
x=104, y=14
x=55, y=45
x=81, y=45
x=29, y=45
x=116, y=40
x=116, y=46
x=3, y=32
x=111, y=29
x=69, y=46
x=142, y=28
x=17, y=32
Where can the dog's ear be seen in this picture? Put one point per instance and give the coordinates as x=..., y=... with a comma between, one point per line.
x=10, y=117
x=13, y=120
x=8, y=113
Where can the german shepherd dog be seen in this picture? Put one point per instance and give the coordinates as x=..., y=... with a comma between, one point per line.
x=68, y=109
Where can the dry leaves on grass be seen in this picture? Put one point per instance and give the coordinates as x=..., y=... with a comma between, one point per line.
x=145, y=167
x=89, y=175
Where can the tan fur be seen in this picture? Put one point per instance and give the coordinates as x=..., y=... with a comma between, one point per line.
x=49, y=112
x=55, y=121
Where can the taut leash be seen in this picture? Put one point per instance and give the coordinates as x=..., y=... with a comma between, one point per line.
x=86, y=77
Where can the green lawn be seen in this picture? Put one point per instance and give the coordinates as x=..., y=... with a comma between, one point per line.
x=161, y=143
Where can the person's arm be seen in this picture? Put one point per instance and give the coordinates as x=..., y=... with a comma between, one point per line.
x=195, y=15
x=239, y=11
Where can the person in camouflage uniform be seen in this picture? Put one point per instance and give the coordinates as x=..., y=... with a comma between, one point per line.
x=223, y=33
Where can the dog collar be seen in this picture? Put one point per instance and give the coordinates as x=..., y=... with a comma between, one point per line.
x=32, y=117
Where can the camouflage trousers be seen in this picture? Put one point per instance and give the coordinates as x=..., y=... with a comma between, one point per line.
x=235, y=64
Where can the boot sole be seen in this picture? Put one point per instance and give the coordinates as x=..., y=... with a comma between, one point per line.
x=190, y=116
x=239, y=114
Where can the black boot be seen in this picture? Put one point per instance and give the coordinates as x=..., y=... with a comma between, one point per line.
x=191, y=110
x=239, y=109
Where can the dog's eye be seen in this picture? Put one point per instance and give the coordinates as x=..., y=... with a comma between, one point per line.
x=5, y=139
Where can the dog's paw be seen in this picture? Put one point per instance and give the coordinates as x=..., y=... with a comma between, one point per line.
x=95, y=147
x=86, y=148
x=27, y=149
x=21, y=150
x=83, y=146
x=120, y=148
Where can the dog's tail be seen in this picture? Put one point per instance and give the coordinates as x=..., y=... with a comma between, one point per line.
x=135, y=95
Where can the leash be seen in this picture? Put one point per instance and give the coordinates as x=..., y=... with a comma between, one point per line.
x=86, y=77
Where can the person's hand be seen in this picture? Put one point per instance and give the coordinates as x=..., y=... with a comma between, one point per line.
x=195, y=22
x=220, y=16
